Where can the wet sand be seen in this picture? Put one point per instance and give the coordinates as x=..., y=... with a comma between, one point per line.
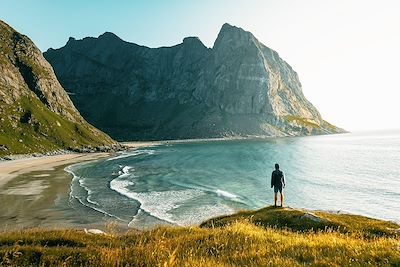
x=13, y=168
x=34, y=192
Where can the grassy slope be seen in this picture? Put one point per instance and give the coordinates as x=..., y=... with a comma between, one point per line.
x=246, y=239
x=311, y=126
x=300, y=220
x=28, y=125
x=47, y=130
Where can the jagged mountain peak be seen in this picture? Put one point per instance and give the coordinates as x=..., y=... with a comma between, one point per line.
x=232, y=37
x=192, y=39
x=108, y=36
x=104, y=38
x=228, y=28
x=193, y=42
x=238, y=87
x=71, y=41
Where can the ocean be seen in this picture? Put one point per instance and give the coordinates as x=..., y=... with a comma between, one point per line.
x=187, y=183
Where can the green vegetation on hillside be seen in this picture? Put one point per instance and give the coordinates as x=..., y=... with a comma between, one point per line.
x=246, y=239
x=36, y=114
x=28, y=126
x=302, y=122
x=310, y=126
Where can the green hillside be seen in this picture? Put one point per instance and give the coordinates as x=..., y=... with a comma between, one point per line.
x=28, y=126
x=36, y=114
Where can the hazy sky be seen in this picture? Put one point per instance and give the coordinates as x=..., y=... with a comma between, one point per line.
x=347, y=53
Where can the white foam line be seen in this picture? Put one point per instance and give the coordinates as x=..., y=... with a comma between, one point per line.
x=131, y=154
x=75, y=177
x=81, y=183
x=99, y=210
x=226, y=194
x=134, y=218
x=155, y=203
x=120, y=157
x=90, y=192
x=126, y=169
x=220, y=193
x=124, y=172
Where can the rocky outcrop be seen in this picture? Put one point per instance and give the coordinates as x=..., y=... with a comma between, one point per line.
x=239, y=87
x=36, y=113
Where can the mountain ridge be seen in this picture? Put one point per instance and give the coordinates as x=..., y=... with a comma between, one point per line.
x=36, y=113
x=239, y=87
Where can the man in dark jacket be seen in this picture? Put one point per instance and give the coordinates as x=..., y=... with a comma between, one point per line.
x=278, y=183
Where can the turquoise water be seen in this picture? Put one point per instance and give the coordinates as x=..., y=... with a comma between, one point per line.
x=184, y=184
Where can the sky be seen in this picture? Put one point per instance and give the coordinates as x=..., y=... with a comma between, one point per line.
x=346, y=52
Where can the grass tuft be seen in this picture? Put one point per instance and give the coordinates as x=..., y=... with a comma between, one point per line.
x=241, y=239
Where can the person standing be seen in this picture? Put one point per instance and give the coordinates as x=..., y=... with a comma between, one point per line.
x=278, y=183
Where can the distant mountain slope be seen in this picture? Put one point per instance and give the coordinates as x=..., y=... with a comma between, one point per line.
x=36, y=114
x=238, y=88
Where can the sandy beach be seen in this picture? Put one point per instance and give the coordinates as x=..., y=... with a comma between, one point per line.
x=34, y=191
x=13, y=168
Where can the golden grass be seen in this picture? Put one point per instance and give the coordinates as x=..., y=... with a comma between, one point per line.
x=295, y=219
x=238, y=243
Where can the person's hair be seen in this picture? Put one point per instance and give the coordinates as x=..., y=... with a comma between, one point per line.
x=277, y=166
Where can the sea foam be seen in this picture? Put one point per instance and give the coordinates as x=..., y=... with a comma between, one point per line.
x=73, y=195
x=158, y=204
x=132, y=154
x=226, y=194
x=82, y=184
x=125, y=171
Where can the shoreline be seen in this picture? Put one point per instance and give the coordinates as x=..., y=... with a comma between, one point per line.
x=25, y=163
x=34, y=173
x=132, y=145
x=140, y=144
x=34, y=191
x=13, y=168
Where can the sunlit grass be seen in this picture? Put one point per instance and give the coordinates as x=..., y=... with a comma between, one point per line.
x=239, y=242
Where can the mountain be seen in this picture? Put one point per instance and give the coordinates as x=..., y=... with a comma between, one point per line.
x=239, y=87
x=36, y=113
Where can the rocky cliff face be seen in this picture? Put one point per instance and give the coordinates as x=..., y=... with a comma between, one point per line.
x=36, y=113
x=237, y=88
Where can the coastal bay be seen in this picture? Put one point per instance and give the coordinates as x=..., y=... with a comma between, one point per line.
x=170, y=182
x=34, y=191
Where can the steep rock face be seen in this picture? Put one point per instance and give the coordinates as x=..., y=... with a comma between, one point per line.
x=36, y=113
x=238, y=88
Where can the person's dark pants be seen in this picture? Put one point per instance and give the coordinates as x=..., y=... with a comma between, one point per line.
x=277, y=188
